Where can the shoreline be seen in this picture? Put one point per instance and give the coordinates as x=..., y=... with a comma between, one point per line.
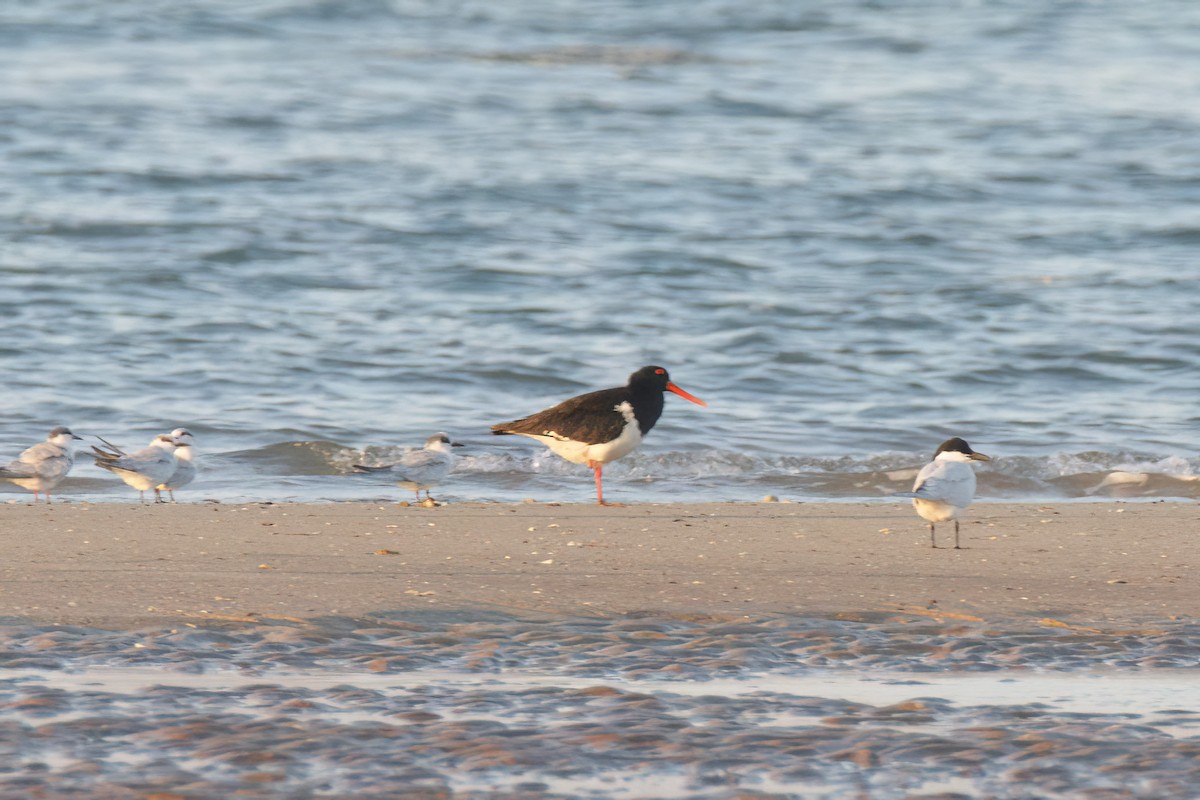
x=1093, y=565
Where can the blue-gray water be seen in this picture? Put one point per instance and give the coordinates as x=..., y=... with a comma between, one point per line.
x=854, y=229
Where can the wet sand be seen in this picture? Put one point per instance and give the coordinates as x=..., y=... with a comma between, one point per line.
x=453, y=738
x=124, y=566
x=495, y=652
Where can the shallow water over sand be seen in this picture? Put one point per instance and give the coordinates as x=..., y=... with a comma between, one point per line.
x=637, y=707
x=527, y=729
x=1161, y=698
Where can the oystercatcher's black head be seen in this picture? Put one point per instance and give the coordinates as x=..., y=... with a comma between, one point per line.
x=957, y=445
x=654, y=378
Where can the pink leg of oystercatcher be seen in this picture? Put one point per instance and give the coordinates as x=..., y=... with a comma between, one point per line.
x=597, y=467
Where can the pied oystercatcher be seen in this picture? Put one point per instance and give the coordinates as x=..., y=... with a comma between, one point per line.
x=599, y=427
x=945, y=486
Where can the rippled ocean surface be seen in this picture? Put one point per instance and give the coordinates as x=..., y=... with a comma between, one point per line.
x=309, y=229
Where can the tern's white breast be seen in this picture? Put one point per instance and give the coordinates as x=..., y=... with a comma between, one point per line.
x=935, y=510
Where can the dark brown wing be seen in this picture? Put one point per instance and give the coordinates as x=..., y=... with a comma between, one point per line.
x=590, y=418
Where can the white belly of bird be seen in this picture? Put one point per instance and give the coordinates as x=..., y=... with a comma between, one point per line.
x=415, y=485
x=148, y=476
x=185, y=473
x=36, y=484
x=138, y=481
x=604, y=452
x=935, y=510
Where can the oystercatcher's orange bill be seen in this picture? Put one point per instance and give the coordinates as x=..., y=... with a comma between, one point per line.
x=673, y=388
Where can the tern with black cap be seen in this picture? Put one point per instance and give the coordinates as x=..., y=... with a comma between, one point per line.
x=185, y=464
x=420, y=469
x=42, y=467
x=143, y=469
x=945, y=486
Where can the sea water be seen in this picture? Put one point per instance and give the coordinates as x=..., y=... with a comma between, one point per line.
x=317, y=232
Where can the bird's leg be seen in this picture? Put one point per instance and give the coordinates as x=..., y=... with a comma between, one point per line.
x=142, y=496
x=417, y=492
x=932, y=540
x=597, y=467
x=172, y=491
x=956, y=546
x=48, y=501
x=35, y=496
x=158, y=496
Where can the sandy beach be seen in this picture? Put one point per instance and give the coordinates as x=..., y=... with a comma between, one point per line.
x=706, y=652
x=122, y=566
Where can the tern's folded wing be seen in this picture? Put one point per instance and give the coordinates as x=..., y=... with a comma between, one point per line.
x=947, y=482
x=16, y=469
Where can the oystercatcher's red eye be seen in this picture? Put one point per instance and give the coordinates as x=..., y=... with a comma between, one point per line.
x=660, y=372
